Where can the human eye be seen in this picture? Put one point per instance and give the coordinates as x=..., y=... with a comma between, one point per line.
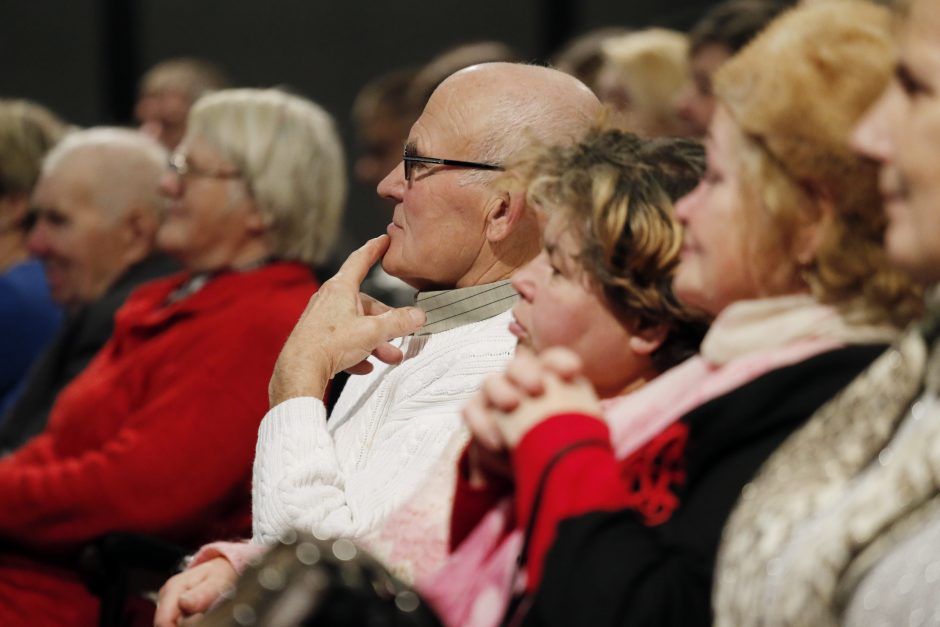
x=910, y=84
x=712, y=176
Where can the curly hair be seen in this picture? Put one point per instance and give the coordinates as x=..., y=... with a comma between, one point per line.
x=615, y=191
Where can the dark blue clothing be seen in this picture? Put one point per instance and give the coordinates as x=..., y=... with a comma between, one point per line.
x=84, y=331
x=28, y=318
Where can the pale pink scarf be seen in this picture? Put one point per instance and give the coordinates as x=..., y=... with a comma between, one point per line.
x=750, y=338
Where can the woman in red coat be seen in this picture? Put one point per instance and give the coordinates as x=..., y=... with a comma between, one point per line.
x=157, y=435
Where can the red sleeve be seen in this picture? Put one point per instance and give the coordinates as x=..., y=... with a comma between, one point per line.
x=166, y=467
x=585, y=478
x=37, y=450
x=175, y=464
x=471, y=503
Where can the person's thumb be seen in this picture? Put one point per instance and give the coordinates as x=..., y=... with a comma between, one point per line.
x=399, y=322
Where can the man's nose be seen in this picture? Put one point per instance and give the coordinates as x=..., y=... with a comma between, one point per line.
x=393, y=185
x=38, y=240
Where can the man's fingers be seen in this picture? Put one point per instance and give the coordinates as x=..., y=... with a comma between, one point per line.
x=357, y=265
x=386, y=353
x=372, y=306
x=363, y=367
x=564, y=362
x=398, y=323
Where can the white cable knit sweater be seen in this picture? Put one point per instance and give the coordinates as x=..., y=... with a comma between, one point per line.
x=345, y=476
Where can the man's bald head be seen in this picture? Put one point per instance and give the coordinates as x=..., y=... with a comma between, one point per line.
x=120, y=168
x=511, y=106
x=97, y=210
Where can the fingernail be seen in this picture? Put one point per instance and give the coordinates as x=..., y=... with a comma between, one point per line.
x=417, y=316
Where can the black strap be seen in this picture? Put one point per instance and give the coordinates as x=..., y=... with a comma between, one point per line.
x=519, y=603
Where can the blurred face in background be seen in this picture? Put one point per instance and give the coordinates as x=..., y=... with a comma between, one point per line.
x=211, y=215
x=162, y=115
x=696, y=103
x=717, y=259
x=381, y=138
x=82, y=247
x=902, y=133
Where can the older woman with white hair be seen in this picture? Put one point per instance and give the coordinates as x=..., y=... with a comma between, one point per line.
x=171, y=404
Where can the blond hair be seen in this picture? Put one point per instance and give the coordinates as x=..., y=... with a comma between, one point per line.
x=289, y=153
x=652, y=66
x=615, y=191
x=795, y=92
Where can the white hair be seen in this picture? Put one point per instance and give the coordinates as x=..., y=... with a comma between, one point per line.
x=290, y=156
x=125, y=167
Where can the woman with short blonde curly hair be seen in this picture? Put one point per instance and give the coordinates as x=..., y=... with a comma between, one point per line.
x=614, y=192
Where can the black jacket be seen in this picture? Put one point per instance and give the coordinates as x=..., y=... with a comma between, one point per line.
x=608, y=568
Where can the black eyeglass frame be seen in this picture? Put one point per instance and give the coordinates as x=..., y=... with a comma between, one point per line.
x=409, y=159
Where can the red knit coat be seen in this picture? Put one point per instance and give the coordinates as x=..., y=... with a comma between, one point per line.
x=156, y=436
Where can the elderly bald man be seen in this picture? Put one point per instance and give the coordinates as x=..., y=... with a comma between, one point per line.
x=457, y=237
x=96, y=209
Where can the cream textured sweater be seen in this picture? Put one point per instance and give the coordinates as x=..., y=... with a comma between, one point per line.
x=345, y=476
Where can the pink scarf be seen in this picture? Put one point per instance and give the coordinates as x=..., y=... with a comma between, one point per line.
x=474, y=586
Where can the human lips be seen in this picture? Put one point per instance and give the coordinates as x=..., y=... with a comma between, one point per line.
x=688, y=246
x=893, y=186
x=517, y=329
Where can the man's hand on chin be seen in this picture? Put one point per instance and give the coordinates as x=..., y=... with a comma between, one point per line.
x=339, y=329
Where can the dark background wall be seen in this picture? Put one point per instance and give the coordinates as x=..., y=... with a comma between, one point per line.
x=82, y=58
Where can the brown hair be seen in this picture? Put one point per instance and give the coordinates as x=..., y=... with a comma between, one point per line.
x=616, y=192
x=734, y=23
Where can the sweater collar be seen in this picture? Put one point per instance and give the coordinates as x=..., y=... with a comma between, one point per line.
x=449, y=309
x=752, y=326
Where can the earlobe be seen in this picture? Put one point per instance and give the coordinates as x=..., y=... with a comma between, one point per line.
x=139, y=230
x=505, y=211
x=256, y=222
x=141, y=224
x=810, y=237
x=647, y=340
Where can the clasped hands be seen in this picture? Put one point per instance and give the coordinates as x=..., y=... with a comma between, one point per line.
x=339, y=329
x=532, y=389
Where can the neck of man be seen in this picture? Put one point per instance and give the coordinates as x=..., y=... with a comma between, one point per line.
x=500, y=260
x=495, y=271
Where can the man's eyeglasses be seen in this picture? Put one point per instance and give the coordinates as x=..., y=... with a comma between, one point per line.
x=410, y=158
x=180, y=165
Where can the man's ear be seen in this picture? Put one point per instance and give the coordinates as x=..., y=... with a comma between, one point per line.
x=504, y=212
x=647, y=340
x=139, y=228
